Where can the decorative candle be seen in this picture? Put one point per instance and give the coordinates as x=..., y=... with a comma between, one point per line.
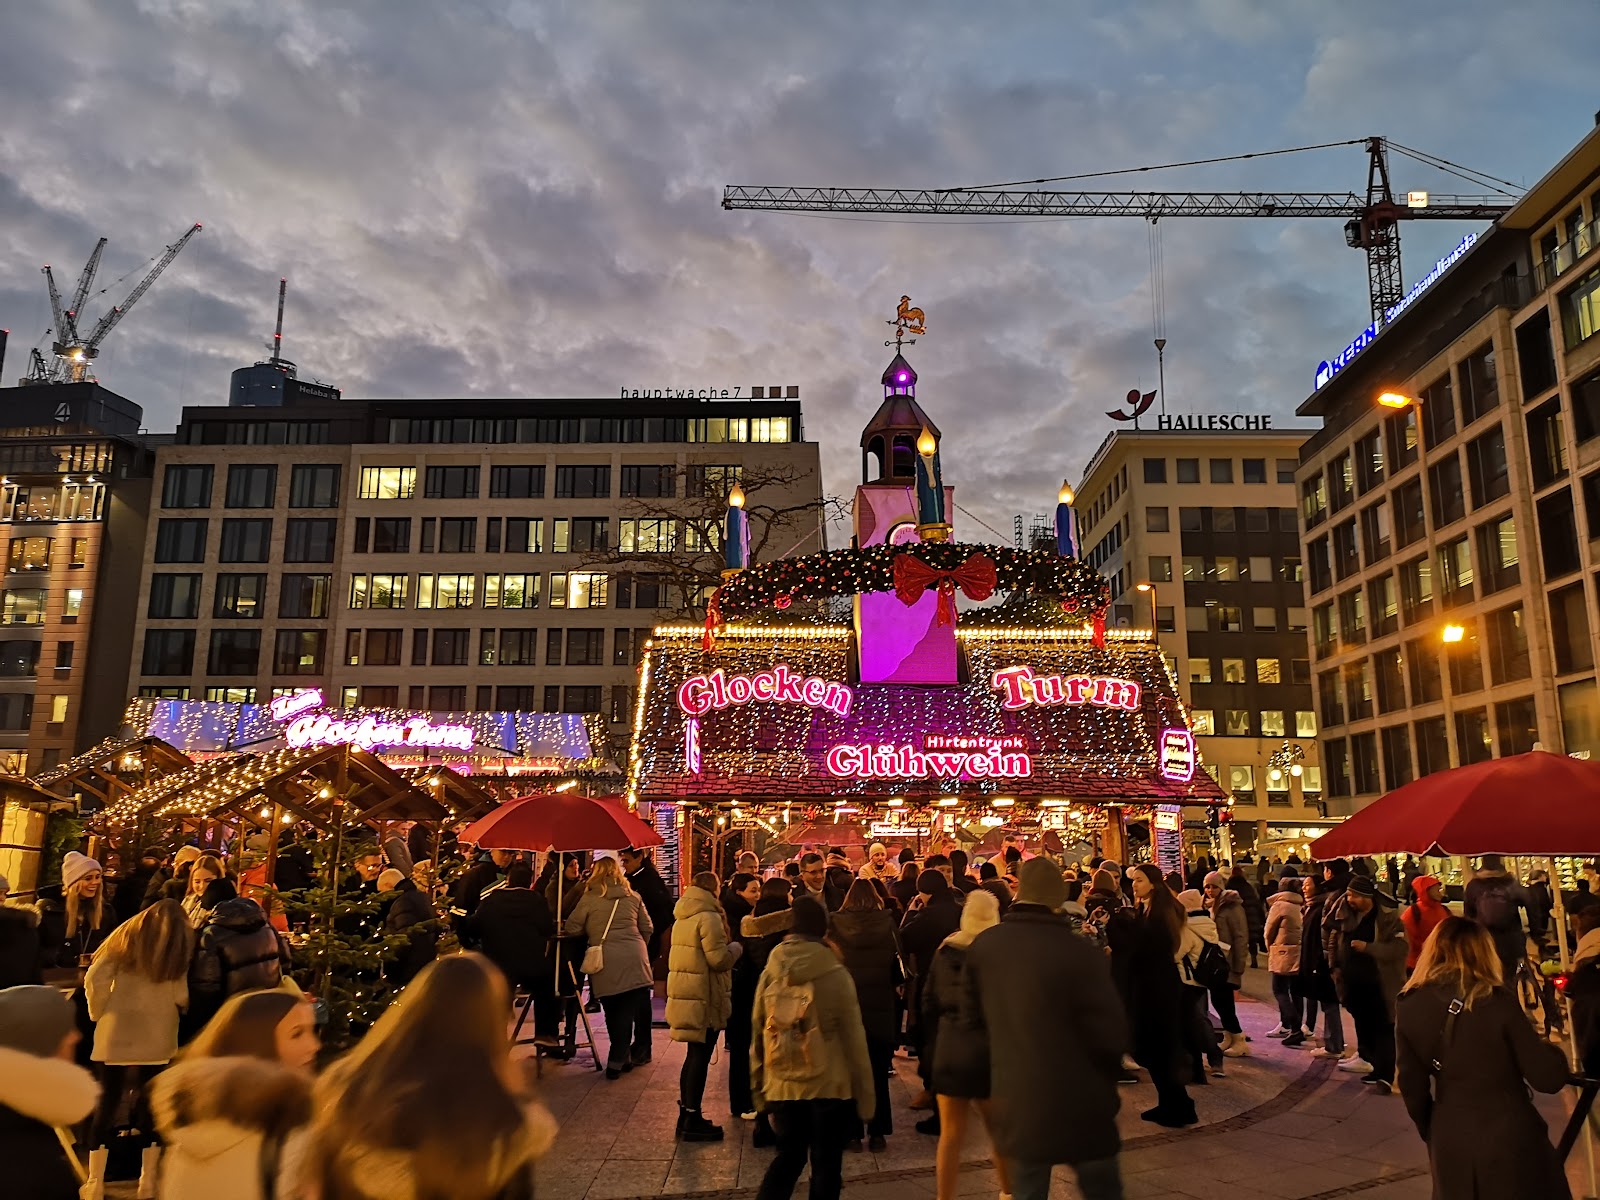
x=930, y=484
x=736, y=533
x=1066, y=523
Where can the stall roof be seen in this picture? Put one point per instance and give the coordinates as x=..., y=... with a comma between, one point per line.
x=461, y=794
x=154, y=756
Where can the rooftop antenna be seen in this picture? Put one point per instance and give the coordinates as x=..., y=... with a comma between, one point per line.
x=277, y=333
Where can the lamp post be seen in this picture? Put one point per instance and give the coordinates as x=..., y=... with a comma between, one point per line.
x=1155, y=621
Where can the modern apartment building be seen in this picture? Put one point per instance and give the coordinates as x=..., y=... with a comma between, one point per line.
x=74, y=497
x=1206, y=520
x=1452, y=542
x=451, y=555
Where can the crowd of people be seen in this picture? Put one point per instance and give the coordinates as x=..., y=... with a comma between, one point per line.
x=1026, y=990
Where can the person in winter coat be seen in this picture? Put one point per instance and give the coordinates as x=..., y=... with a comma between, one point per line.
x=1540, y=904
x=19, y=945
x=1283, y=934
x=1315, y=978
x=1369, y=962
x=430, y=1102
x=1425, y=914
x=475, y=882
x=409, y=915
x=612, y=917
x=74, y=920
x=814, y=882
x=1485, y=1138
x=864, y=933
x=1583, y=991
x=1255, y=911
x=237, y=951
x=1144, y=946
x=136, y=987
x=1054, y=1034
x=513, y=927
x=41, y=1090
x=809, y=1066
x=960, y=1050
x=132, y=887
x=904, y=889
x=648, y=885
x=921, y=934
x=760, y=933
x=1199, y=1039
x=699, y=996
x=739, y=901
x=1492, y=899
x=197, y=905
x=1232, y=918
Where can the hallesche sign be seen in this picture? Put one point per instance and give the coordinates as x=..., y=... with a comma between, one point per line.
x=699, y=694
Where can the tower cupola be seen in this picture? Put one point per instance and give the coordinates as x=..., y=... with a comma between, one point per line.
x=889, y=442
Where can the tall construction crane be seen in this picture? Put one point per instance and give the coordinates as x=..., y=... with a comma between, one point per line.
x=1372, y=222
x=73, y=351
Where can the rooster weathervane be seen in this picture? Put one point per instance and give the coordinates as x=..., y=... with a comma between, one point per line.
x=907, y=320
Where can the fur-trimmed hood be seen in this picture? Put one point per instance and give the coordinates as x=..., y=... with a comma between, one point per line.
x=249, y=1096
x=50, y=1090
x=767, y=924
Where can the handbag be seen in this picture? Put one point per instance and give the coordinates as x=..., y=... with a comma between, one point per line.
x=594, y=958
x=1436, y=1064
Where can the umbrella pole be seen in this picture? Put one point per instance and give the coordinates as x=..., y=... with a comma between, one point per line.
x=1559, y=909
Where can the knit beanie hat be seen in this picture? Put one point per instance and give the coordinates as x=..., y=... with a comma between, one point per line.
x=1103, y=881
x=390, y=879
x=1040, y=882
x=34, y=1019
x=809, y=918
x=1214, y=879
x=186, y=854
x=75, y=866
x=1191, y=900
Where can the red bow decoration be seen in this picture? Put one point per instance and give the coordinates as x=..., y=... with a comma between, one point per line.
x=708, y=642
x=1100, y=629
x=976, y=578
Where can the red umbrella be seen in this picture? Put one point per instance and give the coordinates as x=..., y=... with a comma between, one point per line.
x=1536, y=804
x=561, y=821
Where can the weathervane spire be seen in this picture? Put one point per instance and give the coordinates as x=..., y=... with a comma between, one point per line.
x=907, y=320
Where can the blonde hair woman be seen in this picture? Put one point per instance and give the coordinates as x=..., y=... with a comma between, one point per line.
x=1464, y=1075
x=72, y=926
x=430, y=1106
x=616, y=924
x=206, y=871
x=135, y=988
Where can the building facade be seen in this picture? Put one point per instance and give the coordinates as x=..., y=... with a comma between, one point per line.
x=513, y=555
x=1206, y=521
x=1452, y=530
x=74, y=498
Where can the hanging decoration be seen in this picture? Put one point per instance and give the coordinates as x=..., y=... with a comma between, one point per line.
x=912, y=577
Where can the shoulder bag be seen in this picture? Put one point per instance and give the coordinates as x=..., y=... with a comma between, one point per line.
x=1436, y=1064
x=594, y=958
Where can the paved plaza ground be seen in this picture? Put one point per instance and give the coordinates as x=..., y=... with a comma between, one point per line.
x=1281, y=1125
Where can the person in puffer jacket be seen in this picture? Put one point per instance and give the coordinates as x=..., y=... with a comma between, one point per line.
x=1283, y=956
x=238, y=951
x=699, y=996
x=1233, y=933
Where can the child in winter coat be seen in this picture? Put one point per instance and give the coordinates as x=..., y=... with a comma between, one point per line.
x=1283, y=956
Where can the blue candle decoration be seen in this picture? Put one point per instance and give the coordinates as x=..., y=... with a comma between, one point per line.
x=735, y=533
x=930, y=483
x=1066, y=524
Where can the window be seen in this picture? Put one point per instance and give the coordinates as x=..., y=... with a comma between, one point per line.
x=648, y=535
x=388, y=483
x=1202, y=722
x=1497, y=555
x=1305, y=723
x=1465, y=661
x=251, y=485
x=1157, y=520
x=578, y=589
x=1224, y=569
x=1254, y=470
x=1517, y=725
x=20, y=660
x=628, y=647
x=1376, y=531
x=451, y=647
x=1189, y=520
x=1472, y=736
x=1547, y=450
x=79, y=552
x=1188, y=470
x=181, y=540
x=1259, y=569
x=516, y=483
x=16, y=711
x=1444, y=483
x=1438, y=411
x=451, y=483
x=167, y=652
x=1222, y=470
x=1401, y=430
x=378, y=591
x=1364, y=758
x=1160, y=568
x=1586, y=407
x=1486, y=467
x=1341, y=483
x=1352, y=618
x=25, y=606
x=1230, y=618
x=1422, y=657
x=234, y=652
x=1199, y=670
x=1197, y=618
x=1358, y=688
x=1235, y=722
x=186, y=486
x=1580, y=309
x=1410, y=525
x=1233, y=670
x=390, y=535
x=1300, y=671
x=1324, y=633
x=174, y=597
x=519, y=647
x=1480, y=386
x=305, y=596
x=239, y=597
x=1223, y=520
x=652, y=591
x=552, y=646
x=582, y=699
x=1416, y=589
x=1272, y=722
x=458, y=535
x=524, y=535
x=583, y=482
x=28, y=554
x=712, y=481
x=1433, y=747
x=511, y=591
x=231, y=695
x=1155, y=470
x=1397, y=756
x=309, y=540
x=649, y=482
x=1269, y=670
x=579, y=534
x=298, y=652
x=1286, y=468
x=1508, y=645
x=1558, y=534
x=1569, y=630
x=586, y=647
x=1321, y=566
x=1346, y=559
x=1263, y=618
x=1455, y=573
x=314, y=486
x=445, y=591
x=447, y=699
x=1242, y=783
x=1369, y=461
x=246, y=539
x=384, y=648
x=1258, y=520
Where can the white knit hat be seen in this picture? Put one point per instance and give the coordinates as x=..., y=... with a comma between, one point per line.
x=390, y=879
x=75, y=866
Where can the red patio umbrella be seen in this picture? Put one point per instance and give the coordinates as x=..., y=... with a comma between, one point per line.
x=561, y=821
x=1536, y=805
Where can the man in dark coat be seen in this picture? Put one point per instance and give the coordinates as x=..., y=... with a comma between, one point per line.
x=410, y=915
x=813, y=882
x=470, y=888
x=1492, y=898
x=513, y=926
x=19, y=947
x=1056, y=1034
x=131, y=888
x=1369, y=965
x=648, y=885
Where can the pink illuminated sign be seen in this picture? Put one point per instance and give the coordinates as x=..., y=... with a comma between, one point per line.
x=699, y=694
x=320, y=729
x=1021, y=687
x=984, y=761
x=1178, y=755
x=691, y=746
x=295, y=703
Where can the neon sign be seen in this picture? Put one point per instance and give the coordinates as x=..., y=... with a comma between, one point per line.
x=320, y=729
x=1022, y=688
x=1166, y=820
x=1177, y=755
x=907, y=762
x=699, y=694
x=294, y=703
x=691, y=745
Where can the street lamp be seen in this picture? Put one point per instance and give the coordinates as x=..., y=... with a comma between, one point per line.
x=1453, y=633
x=1286, y=759
x=1155, y=621
x=1397, y=400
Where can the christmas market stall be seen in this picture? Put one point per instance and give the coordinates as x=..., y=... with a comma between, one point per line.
x=1028, y=715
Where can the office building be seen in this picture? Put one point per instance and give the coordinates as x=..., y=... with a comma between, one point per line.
x=74, y=498
x=1451, y=507
x=1206, y=519
x=451, y=555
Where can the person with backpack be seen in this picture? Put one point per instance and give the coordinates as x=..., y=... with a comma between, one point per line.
x=1491, y=898
x=1203, y=966
x=809, y=1067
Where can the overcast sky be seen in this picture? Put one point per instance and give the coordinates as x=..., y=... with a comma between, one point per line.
x=493, y=199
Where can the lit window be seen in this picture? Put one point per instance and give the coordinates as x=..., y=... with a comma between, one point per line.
x=388, y=483
x=579, y=589
x=1202, y=722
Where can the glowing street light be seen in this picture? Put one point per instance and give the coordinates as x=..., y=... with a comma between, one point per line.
x=1453, y=633
x=1397, y=400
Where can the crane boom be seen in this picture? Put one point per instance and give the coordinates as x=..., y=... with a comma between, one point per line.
x=57, y=314
x=85, y=282
x=108, y=322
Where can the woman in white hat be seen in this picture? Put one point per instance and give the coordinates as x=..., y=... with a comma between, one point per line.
x=73, y=923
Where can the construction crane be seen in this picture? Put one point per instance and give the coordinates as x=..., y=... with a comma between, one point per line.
x=1372, y=222
x=73, y=351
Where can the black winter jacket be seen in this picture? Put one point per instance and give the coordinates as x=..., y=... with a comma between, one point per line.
x=36, y=1096
x=867, y=942
x=514, y=928
x=19, y=947
x=954, y=1027
x=648, y=885
x=410, y=913
x=237, y=952
x=56, y=949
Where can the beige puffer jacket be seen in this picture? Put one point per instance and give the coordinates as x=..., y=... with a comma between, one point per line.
x=699, y=967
